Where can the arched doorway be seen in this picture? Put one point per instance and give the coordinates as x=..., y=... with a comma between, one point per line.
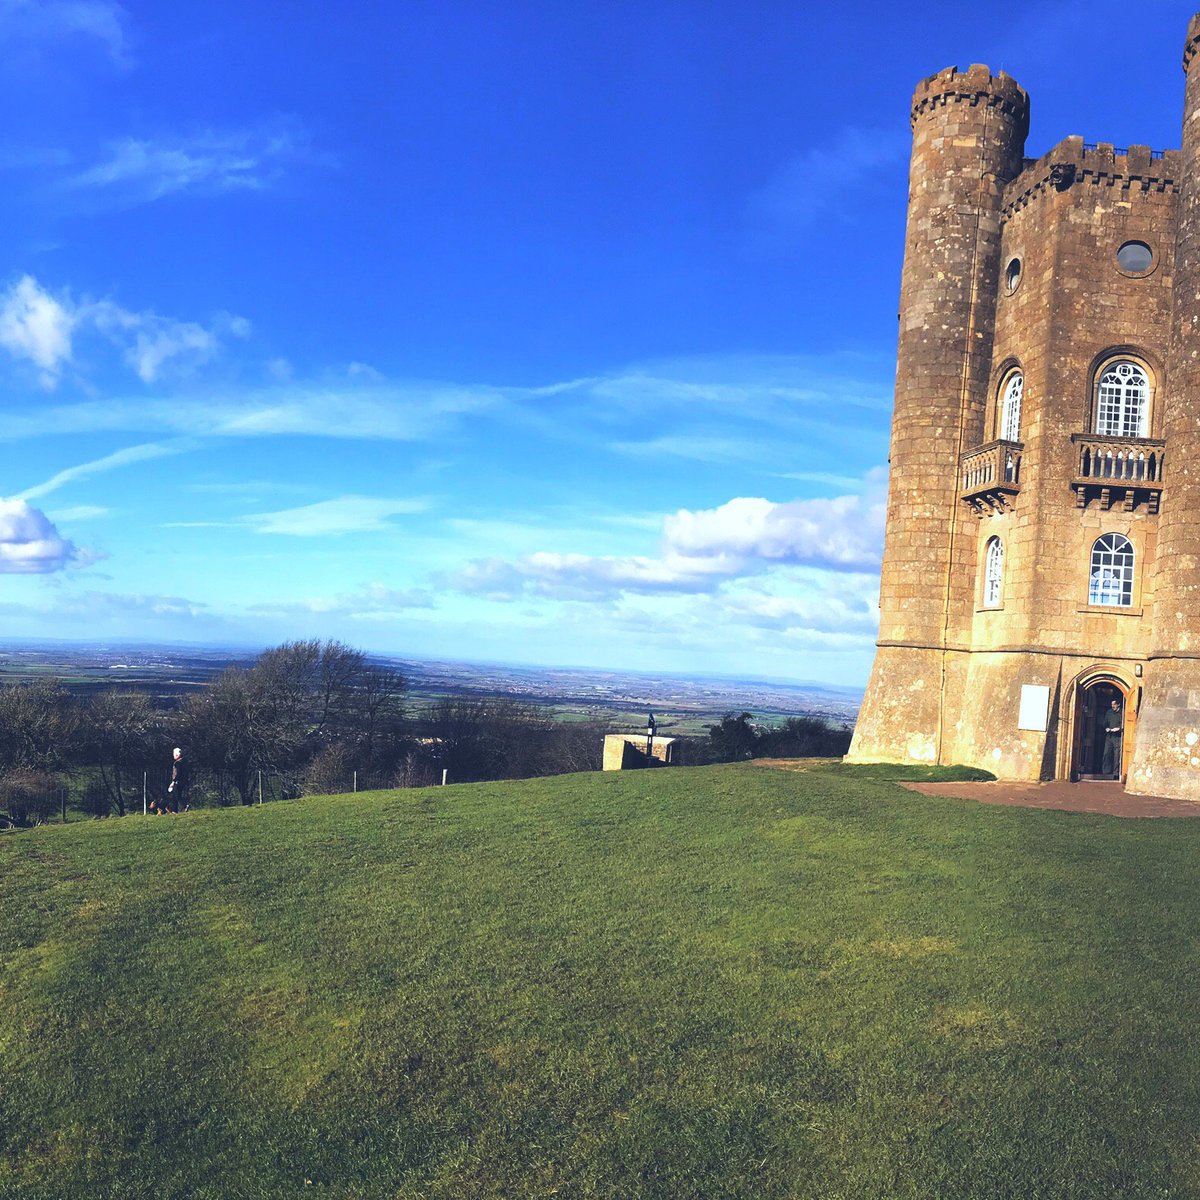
x=1093, y=713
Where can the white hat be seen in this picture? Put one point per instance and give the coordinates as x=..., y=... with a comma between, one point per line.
x=177, y=750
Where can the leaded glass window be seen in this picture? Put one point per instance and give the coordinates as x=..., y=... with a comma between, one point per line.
x=1122, y=401
x=993, y=573
x=1010, y=408
x=1112, y=571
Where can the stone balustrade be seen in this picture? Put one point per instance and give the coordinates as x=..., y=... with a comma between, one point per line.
x=990, y=475
x=1109, y=469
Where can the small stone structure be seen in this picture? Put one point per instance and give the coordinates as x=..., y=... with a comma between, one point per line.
x=627, y=752
x=1042, y=554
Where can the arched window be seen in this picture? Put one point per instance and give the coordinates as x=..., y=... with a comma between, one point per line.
x=1111, y=580
x=1010, y=407
x=993, y=572
x=1123, y=400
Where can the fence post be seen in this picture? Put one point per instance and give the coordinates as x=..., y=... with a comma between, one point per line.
x=260, y=787
x=144, y=775
x=356, y=781
x=63, y=797
x=445, y=772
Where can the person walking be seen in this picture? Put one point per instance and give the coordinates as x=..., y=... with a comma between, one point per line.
x=177, y=789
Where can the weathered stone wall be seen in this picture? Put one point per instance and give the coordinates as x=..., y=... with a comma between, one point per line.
x=1167, y=754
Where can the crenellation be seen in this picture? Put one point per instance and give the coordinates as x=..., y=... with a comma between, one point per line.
x=1074, y=161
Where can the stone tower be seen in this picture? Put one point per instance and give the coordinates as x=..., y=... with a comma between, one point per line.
x=1042, y=557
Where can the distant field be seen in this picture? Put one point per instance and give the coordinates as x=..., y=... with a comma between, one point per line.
x=615, y=699
x=720, y=982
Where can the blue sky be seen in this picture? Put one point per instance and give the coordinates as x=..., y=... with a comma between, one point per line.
x=533, y=332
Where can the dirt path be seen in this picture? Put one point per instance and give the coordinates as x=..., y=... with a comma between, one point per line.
x=1108, y=798
x=1092, y=797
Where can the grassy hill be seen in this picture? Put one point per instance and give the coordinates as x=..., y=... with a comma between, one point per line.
x=727, y=982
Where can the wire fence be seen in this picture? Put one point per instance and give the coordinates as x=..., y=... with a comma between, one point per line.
x=24, y=804
x=31, y=799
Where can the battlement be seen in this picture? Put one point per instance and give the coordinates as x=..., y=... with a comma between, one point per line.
x=1191, y=42
x=1076, y=162
x=976, y=86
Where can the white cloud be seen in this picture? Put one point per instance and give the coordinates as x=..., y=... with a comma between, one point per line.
x=30, y=544
x=53, y=20
x=36, y=327
x=121, y=458
x=39, y=327
x=343, y=514
x=139, y=170
x=844, y=533
x=702, y=549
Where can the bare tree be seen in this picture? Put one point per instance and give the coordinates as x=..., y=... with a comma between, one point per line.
x=118, y=728
x=320, y=692
x=297, y=699
x=225, y=727
x=488, y=737
x=37, y=725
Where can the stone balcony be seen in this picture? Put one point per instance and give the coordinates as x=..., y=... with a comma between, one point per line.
x=1113, y=470
x=989, y=477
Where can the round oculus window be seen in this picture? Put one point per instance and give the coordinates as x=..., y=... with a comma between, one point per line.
x=1012, y=275
x=1135, y=258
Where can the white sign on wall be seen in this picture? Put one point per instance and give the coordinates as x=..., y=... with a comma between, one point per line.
x=1035, y=707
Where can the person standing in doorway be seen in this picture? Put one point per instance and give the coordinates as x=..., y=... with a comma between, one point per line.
x=1114, y=727
x=177, y=789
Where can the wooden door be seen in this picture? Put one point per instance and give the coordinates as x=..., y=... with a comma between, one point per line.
x=1131, y=706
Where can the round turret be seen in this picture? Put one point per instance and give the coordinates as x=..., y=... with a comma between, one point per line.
x=976, y=85
x=969, y=132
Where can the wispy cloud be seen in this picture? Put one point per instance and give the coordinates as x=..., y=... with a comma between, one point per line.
x=393, y=412
x=374, y=602
x=110, y=462
x=807, y=188
x=341, y=515
x=708, y=448
x=583, y=577
x=151, y=342
x=80, y=512
x=139, y=170
x=41, y=22
x=788, y=413
x=40, y=327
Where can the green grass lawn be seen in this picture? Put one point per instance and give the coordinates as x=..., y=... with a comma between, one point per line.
x=718, y=982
